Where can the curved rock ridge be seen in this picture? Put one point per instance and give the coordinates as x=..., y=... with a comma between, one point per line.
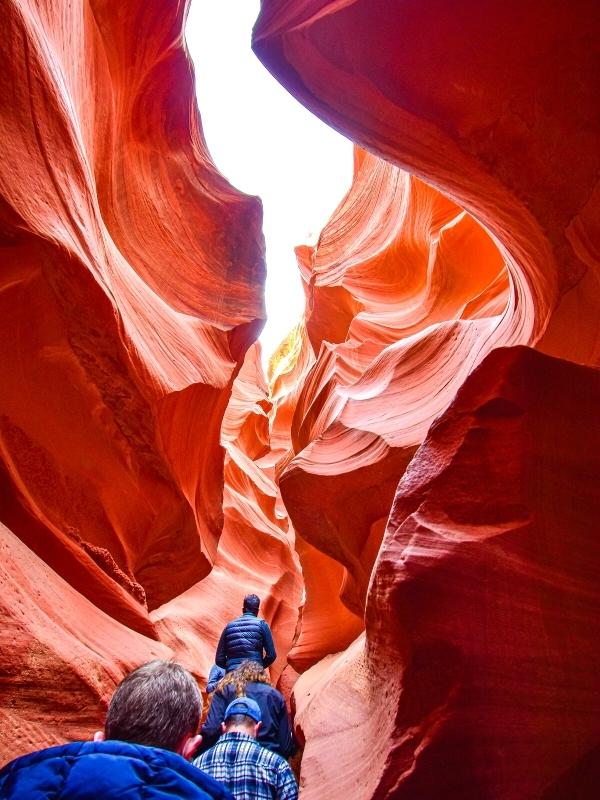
x=142, y=269
x=401, y=278
x=61, y=655
x=256, y=549
x=408, y=291
x=131, y=287
x=478, y=673
x=496, y=109
x=150, y=476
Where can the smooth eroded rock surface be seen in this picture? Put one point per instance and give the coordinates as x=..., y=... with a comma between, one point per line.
x=151, y=475
x=478, y=674
x=130, y=290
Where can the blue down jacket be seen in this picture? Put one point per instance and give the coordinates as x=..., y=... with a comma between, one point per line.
x=94, y=770
x=243, y=639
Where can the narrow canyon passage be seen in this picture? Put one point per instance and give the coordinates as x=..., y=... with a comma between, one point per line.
x=413, y=487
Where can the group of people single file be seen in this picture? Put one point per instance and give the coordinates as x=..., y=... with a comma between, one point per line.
x=151, y=749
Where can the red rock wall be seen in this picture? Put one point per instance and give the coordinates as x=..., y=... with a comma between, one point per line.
x=130, y=291
x=478, y=676
x=494, y=106
x=406, y=294
x=400, y=277
x=147, y=471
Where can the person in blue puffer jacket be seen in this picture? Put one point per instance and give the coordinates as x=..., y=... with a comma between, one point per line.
x=150, y=730
x=246, y=638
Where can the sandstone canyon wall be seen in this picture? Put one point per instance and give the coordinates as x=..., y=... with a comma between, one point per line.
x=496, y=108
x=445, y=369
x=131, y=289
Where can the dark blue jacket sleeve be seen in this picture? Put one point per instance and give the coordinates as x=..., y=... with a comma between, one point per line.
x=214, y=676
x=211, y=730
x=287, y=741
x=220, y=658
x=268, y=645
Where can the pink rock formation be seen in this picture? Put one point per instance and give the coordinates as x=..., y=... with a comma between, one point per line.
x=407, y=293
x=493, y=107
x=61, y=655
x=478, y=676
x=147, y=470
x=131, y=288
x=401, y=276
x=255, y=551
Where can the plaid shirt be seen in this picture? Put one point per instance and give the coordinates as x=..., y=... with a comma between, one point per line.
x=248, y=770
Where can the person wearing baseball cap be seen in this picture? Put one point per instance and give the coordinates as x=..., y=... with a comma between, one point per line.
x=241, y=764
x=251, y=680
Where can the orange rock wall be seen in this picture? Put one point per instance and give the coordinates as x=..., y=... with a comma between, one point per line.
x=130, y=291
x=149, y=475
x=478, y=674
x=472, y=224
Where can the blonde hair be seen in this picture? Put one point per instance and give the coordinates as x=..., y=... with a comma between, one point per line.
x=247, y=672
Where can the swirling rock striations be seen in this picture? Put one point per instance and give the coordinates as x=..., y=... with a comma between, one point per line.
x=478, y=675
x=256, y=549
x=495, y=108
x=61, y=655
x=147, y=470
x=408, y=291
x=400, y=277
x=130, y=289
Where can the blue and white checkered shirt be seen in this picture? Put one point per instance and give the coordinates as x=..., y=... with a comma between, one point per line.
x=248, y=770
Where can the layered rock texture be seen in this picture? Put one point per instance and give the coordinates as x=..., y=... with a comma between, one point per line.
x=478, y=672
x=471, y=225
x=413, y=490
x=130, y=291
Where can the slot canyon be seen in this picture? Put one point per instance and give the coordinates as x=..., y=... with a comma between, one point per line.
x=412, y=487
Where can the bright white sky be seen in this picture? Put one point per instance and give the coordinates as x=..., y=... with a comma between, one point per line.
x=265, y=143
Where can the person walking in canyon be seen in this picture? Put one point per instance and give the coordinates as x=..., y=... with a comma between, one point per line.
x=252, y=681
x=248, y=770
x=150, y=730
x=246, y=638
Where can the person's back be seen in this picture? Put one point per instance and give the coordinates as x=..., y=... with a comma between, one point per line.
x=150, y=731
x=239, y=762
x=249, y=679
x=92, y=770
x=246, y=638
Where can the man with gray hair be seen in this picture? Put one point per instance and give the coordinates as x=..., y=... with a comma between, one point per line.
x=239, y=762
x=151, y=729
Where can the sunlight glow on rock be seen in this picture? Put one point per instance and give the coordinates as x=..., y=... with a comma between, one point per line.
x=266, y=144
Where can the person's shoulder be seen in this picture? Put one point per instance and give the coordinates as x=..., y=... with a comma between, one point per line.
x=112, y=764
x=271, y=759
x=58, y=753
x=227, y=746
x=265, y=690
x=192, y=777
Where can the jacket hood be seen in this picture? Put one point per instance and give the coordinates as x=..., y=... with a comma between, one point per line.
x=92, y=770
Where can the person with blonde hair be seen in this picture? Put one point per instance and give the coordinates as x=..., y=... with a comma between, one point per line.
x=251, y=680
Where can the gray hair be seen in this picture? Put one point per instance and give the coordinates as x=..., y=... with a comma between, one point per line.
x=155, y=705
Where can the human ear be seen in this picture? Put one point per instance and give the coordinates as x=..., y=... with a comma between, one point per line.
x=99, y=736
x=190, y=746
x=222, y=727
x=256, y=727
